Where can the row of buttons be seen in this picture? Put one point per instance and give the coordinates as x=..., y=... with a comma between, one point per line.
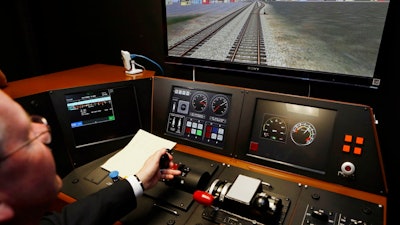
x=215, y=133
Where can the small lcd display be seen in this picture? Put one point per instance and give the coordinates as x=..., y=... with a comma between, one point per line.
x=294, y=135
x=101, y=115
x=90, y=108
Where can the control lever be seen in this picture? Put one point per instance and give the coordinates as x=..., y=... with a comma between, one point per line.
x=164, y=160
x=203, y=198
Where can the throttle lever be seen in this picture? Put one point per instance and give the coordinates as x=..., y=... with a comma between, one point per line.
x=164, y=160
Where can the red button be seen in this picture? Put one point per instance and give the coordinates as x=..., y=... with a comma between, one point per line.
x=254, y=146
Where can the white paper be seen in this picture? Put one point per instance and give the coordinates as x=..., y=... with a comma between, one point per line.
x=132, y=157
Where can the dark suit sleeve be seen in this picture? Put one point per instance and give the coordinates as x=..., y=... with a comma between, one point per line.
x=103, y=207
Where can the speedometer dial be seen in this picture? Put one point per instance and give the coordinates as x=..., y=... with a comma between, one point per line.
x=303, y=133
x=199, y=101
x=220, y=105
x=274, y=128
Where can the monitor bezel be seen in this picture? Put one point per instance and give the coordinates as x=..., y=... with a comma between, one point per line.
x=83, y=154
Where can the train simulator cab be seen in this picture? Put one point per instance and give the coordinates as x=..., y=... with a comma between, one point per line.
x=267, y=106
x=247, y=156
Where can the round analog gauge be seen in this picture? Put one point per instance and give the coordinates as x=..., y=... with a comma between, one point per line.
x=274, y=128
x=199, y=101
x=220, y=105
x=303, y=133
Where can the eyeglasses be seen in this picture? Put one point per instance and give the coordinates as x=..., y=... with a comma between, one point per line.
x=34, y=119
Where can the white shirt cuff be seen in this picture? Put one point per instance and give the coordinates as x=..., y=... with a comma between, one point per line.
x=136, y=184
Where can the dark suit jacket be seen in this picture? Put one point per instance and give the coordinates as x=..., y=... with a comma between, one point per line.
x=101, y=208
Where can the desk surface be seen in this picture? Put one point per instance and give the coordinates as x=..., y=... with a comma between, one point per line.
x=83, y=76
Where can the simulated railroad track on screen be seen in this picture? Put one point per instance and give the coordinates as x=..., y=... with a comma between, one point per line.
x=248, y=46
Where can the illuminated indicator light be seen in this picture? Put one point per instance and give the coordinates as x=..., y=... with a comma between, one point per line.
x=199, y=133
x=213, y=136
x=215, y=130
x=220, y=137
x=346, y=148
x=253, y=146
x=208, y=128
x=357, y=151
x=187, y=130
x=111, y=118
x=208, y=134
x=77, y=124
x=348, y=138
x=360, y=140
x=347, y=168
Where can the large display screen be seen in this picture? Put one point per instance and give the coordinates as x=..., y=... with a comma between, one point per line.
x=330, y=40
x=101, y=115
x=294, y=135
x=199, y=116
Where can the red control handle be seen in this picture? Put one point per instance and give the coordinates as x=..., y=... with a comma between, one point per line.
x=203, y=198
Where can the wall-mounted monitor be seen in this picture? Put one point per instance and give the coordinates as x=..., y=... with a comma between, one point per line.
x=323, y=41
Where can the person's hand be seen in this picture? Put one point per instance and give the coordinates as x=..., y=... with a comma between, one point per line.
x=150, y=172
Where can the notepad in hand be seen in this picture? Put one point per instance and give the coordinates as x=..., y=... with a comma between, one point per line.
x=131, y=158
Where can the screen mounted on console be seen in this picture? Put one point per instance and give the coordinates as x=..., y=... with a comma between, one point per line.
x=90, y=108
x=102, y=114
x=294, y=135
x=199, y=116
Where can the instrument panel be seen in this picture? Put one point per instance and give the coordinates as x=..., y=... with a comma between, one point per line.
x=332, y=146
x=198, y=115
x=331, y=141
x=293, y=135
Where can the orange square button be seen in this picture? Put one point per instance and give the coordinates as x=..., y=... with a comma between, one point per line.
x=346, y=148
x=348, y=138
x=357, y=150
x=359, y=140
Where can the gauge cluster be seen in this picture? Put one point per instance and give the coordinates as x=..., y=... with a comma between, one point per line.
x=199, y=115
x=292, y=134
x=275, y=128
